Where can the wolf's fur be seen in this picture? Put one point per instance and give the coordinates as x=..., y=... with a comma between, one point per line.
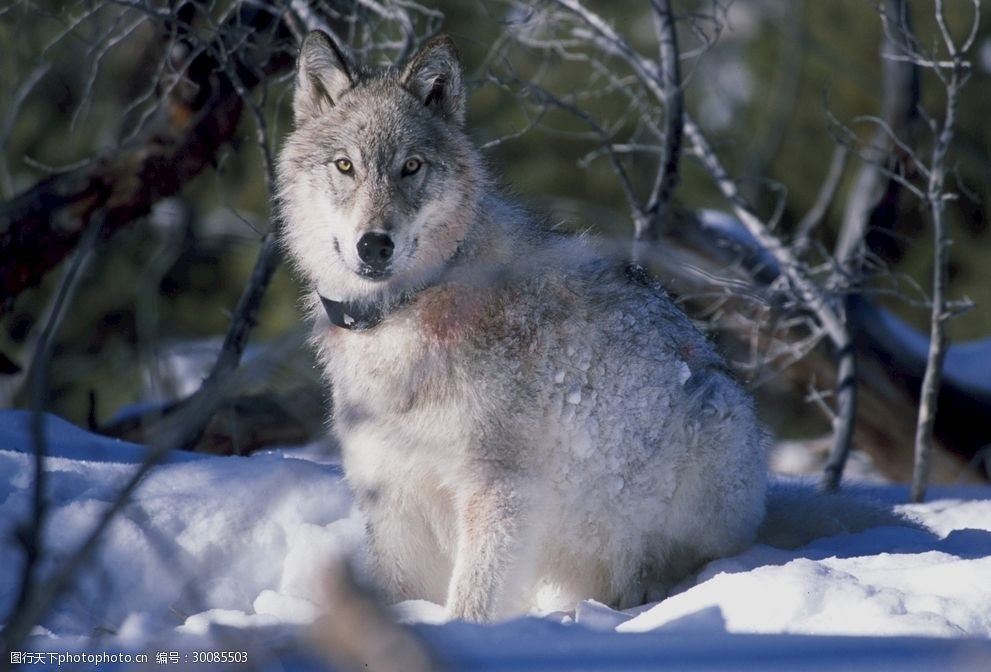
x=528, y=423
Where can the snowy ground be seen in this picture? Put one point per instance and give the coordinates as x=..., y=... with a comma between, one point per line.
x=217, y=551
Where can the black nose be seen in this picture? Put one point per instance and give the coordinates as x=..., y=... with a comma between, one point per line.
x=375, y=249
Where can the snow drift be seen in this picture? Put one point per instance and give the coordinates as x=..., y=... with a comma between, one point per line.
x=214, y=550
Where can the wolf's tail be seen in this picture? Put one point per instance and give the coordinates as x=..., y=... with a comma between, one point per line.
x=798, y=512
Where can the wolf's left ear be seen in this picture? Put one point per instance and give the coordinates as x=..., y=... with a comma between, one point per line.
x=434, y=76
x=323, y=73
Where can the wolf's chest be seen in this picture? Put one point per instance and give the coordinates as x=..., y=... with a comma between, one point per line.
x=391, y=380
x=399, y=410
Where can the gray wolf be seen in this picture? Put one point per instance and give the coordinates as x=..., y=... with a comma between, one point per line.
x=525, y=421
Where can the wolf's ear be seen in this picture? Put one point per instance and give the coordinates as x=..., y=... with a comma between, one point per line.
x=434, y=76
x=322, y=75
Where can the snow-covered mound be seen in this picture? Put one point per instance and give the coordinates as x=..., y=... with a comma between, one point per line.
x=215, y=549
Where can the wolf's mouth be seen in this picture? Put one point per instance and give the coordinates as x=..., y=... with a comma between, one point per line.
x=373, y=273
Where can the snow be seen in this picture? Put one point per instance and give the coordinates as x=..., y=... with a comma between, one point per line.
x=216, y=550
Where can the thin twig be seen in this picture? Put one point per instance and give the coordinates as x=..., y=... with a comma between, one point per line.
x=936, y=199
x=667, y=172
x=17, y=102
x=812, y=219
x=32, y=538
x=545, y=97
x=900, y=101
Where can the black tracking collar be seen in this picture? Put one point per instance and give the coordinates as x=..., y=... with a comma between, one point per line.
x=362, y=316
x=353, y=316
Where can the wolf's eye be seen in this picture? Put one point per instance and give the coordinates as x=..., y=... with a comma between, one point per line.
x=344, y=165
x=411, y=166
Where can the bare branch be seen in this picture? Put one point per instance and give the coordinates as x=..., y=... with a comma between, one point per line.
x=667, y=173
x=791, y=268
x=32, y=535
x=39, y=227
x=877, y=183
x=546, y=97
x=23, y=91
x=936, y=199
x=805, y=227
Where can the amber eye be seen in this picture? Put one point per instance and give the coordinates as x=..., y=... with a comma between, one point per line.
x=411, y=166
x=344, y=165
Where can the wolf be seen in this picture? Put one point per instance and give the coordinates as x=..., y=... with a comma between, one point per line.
x=525, y=420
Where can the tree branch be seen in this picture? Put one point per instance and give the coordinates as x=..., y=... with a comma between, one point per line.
x=667, y=173
x=44, y=224
x=936, y=199
x=873, y=202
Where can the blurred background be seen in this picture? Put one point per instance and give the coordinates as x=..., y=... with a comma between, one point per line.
x=774, y=85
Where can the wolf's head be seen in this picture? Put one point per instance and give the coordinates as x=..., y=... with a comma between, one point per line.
x=378, y=182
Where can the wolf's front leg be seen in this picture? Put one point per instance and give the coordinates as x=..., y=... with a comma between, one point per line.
x=487, y=566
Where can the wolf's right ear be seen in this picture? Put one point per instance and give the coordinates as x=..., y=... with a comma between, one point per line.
x=323, y=73
x=434, y=76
